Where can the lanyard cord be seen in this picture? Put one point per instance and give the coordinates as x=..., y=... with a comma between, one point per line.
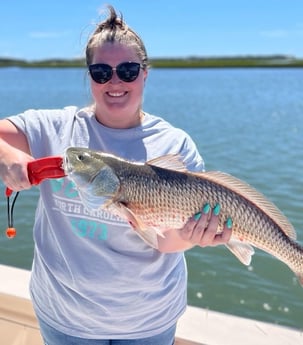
x=11, y=231
x=38, y=170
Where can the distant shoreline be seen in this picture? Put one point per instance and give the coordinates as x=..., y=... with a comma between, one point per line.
x=186, y=62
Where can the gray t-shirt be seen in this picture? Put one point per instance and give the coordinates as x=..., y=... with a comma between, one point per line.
x=92, y=275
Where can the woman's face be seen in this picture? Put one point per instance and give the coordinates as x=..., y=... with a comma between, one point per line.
x=118, y=103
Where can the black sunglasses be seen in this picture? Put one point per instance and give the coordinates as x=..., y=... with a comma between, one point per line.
x=101, y=73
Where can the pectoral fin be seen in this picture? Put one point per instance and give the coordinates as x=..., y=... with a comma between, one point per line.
x=242, y=250
x=149, y=235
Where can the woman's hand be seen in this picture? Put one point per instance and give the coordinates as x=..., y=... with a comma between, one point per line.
x=202, y=228
x=14, y=157
x=13, y=167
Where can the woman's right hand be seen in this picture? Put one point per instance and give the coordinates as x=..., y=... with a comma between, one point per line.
x=13, y=167
x=14, y=156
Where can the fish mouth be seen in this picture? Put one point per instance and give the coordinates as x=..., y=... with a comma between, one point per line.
x=79, y=178
x=66, y=166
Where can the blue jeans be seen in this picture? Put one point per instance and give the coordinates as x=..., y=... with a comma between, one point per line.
x=53, y=337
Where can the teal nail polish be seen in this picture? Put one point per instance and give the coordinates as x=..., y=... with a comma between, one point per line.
x=216, y=210
x=197, y=216
x=229, y=223
x=206, y=208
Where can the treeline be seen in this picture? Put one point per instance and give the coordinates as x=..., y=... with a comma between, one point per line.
x=6, y=62
x=237, y=61
x=187, y=62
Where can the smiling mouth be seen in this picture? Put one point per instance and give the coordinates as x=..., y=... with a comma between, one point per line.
x=117, y=94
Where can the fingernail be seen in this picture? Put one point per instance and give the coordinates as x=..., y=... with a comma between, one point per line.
x=197, y=216
x=229, y=223
x=216, y=210
x=206, y=208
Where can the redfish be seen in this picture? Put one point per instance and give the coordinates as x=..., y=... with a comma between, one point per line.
x=160, y=195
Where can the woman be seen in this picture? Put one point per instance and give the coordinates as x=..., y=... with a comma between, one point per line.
x=94, y=281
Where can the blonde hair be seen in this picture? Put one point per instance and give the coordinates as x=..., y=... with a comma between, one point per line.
x=114, y=29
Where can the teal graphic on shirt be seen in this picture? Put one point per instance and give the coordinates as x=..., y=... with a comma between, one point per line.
x=90, y=227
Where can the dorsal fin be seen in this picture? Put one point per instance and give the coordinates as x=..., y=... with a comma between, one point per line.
x=170, y=161
x=250, y=193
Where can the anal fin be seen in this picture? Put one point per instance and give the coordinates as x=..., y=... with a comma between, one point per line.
x=243, y=251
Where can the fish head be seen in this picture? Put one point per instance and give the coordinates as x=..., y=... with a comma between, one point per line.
x=90, y=172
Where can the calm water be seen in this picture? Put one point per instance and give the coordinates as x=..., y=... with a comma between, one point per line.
x=247, y=122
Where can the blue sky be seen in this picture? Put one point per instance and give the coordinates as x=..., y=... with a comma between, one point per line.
x=40, y=29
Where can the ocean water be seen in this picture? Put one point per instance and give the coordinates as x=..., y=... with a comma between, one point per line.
x=246, y=122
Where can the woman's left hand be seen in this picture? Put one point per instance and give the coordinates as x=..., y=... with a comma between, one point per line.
x=202, y=228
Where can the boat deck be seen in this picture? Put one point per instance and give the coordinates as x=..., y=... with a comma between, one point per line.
x=18, y=324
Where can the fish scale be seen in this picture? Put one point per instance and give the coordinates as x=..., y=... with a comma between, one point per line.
x=161, y=195
x=163, y=200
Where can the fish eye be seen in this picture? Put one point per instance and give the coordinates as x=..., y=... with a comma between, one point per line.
x=81, y=157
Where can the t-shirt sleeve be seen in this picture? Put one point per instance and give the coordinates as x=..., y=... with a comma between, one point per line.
x=189, y=152
x=45, y=129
